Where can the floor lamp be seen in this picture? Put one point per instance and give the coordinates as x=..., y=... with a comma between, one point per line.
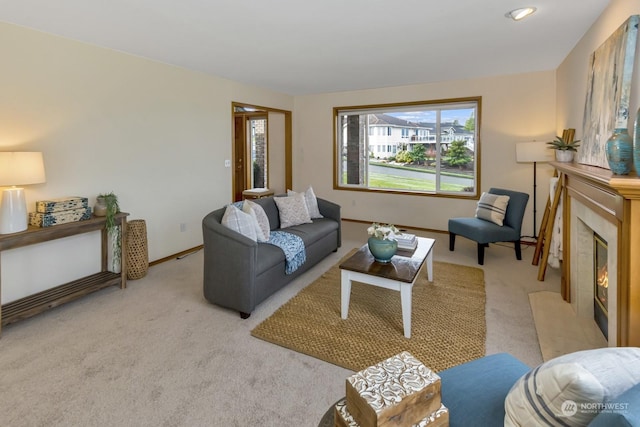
x=533, y=152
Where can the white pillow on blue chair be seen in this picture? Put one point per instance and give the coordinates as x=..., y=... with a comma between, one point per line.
x=492, y=207
x=572, y=389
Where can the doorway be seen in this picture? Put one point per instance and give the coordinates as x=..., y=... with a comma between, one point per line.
x=261, y=149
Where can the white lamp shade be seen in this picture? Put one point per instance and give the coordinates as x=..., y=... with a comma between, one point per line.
x=529, y=152
x=21, y=168
x=17, y=168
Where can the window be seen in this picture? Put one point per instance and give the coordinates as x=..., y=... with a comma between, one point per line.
x=435, y=152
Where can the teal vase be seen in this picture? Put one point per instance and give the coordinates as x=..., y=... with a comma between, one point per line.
x=636, y=143
x=620, y=152
x=381, y=249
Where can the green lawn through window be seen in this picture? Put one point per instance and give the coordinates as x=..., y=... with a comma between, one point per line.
x=379, y=180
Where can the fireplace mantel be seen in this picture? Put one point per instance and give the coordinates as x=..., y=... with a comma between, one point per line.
x=615, y=198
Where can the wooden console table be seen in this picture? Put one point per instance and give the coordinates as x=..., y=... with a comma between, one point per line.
x=41, y=301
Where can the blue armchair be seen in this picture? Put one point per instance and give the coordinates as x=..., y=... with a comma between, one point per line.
x=484, y=232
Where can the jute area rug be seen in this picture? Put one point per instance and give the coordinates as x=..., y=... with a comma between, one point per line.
x=448, y=320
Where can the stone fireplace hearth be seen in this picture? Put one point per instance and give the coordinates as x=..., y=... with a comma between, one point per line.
x=598, y=202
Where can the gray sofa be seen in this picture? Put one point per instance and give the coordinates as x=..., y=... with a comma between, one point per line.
x=239, y=273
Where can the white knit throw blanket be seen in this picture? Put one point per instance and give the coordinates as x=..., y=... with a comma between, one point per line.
x=555, y=247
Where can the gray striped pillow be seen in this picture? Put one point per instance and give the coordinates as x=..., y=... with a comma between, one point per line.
x=492, y=207
x=571, y=390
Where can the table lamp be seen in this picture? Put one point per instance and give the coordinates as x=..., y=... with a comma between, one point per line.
x=17, y=168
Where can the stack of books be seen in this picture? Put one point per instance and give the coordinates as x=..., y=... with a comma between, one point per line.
x=406, y=242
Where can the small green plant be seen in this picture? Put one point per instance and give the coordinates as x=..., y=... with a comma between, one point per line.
x=111, y=201
x=560, y=144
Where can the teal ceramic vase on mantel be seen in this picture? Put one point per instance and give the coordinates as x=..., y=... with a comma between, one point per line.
x=382, y=249
x=620, y=152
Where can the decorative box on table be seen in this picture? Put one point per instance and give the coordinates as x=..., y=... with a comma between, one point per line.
x=343, y=418
x=400, y=391
x=60, y=217
x=61, y=204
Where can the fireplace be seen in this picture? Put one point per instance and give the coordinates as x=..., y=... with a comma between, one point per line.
x=601, y=284
x=594, y=254
x=601, y=273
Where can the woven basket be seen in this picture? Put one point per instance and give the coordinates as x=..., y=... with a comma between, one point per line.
x=137, y=252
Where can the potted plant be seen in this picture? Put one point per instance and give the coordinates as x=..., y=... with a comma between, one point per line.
x=107, y=206
x=564, y=149
x=382, y=241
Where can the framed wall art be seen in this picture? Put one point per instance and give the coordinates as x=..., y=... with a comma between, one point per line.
x=608, y=90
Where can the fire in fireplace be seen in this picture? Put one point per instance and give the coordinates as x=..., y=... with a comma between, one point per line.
x=601, y=284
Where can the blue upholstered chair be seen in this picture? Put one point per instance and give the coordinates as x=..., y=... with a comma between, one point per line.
x=484, y=232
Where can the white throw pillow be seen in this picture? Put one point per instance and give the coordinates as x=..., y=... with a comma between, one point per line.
x=571, y=389
x=311, y=200
x=293, y=210
x=492, y=207
x=263, y=228
x=241, y=222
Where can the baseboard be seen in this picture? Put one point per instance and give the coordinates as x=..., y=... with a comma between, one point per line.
x=176, y=255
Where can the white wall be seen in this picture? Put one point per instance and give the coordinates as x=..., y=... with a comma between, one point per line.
x=156, y=135
x=515, y=108
x=572, y=73
x=277, y=159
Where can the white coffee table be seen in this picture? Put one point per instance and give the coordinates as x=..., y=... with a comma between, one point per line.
x=399, y=275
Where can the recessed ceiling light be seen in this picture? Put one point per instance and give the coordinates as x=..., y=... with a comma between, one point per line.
x=518, y=14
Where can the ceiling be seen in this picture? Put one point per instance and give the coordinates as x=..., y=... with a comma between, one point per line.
x=302, y=47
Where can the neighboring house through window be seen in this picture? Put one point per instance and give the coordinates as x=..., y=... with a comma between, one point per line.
x=427, y=147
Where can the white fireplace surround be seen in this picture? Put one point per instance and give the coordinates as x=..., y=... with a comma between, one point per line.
x=584, y=222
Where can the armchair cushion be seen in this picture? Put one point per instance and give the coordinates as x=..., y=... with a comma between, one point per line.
x=492, y=207
x=474, y=392
x=622, y=411
x=482, y=231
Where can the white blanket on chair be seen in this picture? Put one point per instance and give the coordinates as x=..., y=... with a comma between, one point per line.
x=555, y=246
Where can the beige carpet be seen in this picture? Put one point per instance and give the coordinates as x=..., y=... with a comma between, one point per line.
x=448, y=320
